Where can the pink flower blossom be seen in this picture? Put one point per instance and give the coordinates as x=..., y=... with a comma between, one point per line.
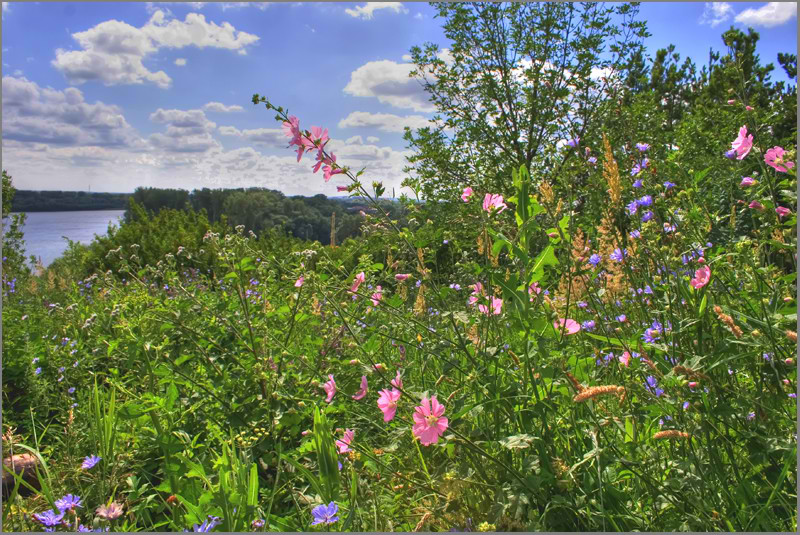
x=534, y=288
x=731, y=101
x=342, y=188
x=572, y=326
x=363, y=390
x=742, y=144
x=466, y=194
x=747, y=182
x=748, y=108
x=291, y=129
x=357, y=282
x=387, y=403
x=328, y=171
x=299, y=282
x=755, y=205
x=344, y=444
x=402, y=276
x=330, y=388
x=497, y=306
x=429, y=424
x=625, y=358
x=701, y=277
x=397, y=382
x=494, y=201
x=319, y=136
x=692, y=384
x=377, y=296
x=782, y=212
x=477, y=291
x=774, y=158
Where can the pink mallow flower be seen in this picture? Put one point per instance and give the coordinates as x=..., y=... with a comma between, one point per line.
x=496, y=304
x=299, y=282
x=330, y=388
x=494, y=202
x=387, y=403
x=466, y=194
x=755, y=205
x=328, y=171
x=747, y=182
x=782, y=212
x=534, y=288
x=572, y=326
x=357, y=282
x=701, y=277
x=397, y=382
x=363, y=390
x=429, y=424
x=377, y=296
x=774, y=158
x=402, y=276
x=625, y=358
x=344, y=444
x=742, y=144
x=477, y=291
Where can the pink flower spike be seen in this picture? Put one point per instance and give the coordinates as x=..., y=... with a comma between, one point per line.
x=782, y=212
x=363, y=390
x=625, y=358
x=357, y=282
x=330, y=388
x=397, y=382
x=387, y=403
x=755, y=205
x=742, y=144
x=701, y=277
x=494, y=202
x=299, y=282
x=344, y=444
x=402, y=276
x=747, y=182
x=572, y=326
x=466, y=194
x=774, y=158
x=429, y=424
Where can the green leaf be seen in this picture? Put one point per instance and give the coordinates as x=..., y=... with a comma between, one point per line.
x=133, y=410
x=252, y=486
x=703, y=304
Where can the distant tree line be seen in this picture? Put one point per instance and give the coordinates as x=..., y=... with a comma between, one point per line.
x=66, y=201
x=260, y=209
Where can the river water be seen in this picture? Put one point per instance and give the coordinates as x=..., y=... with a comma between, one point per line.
x=44, y=230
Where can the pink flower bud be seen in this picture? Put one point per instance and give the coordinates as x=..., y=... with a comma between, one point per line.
x=731, y=101
x=701, y=260
x=748, y=108
x=755, y=205
x=692, y=384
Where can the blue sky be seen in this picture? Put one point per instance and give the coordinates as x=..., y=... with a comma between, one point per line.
x=118, y=95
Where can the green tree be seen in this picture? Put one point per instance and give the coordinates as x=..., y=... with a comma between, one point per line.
x=12, y=238
x=519, y=77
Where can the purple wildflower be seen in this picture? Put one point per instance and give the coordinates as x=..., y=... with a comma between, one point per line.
x=69, y=502
x=595, y=259
x=588, y=325
x=647, y=216
x=642, y=147
x=90, y=461
x=49, y=518
x=635, y=234
x=619, y=255
x=325, y=514
x=637, y=183
x=632, y=207
x=208, y=525
x=669, y=185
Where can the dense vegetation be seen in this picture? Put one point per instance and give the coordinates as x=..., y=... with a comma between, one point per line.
x=591, y=335
x=66, y=201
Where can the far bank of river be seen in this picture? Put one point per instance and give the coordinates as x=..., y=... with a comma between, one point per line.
x=45, y=231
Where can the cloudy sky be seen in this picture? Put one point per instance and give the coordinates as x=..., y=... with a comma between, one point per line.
x=118, y=95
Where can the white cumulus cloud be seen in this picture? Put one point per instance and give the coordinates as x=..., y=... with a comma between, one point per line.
x=771, y=15
x=715, y=13
x=187, y=131
x=388, y=81
x=366, y=11
x=112, y=51
x=385, y=122
x=222, y=108
x=180, y=62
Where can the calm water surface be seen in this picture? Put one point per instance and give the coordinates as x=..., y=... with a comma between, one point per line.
x=44, y=230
